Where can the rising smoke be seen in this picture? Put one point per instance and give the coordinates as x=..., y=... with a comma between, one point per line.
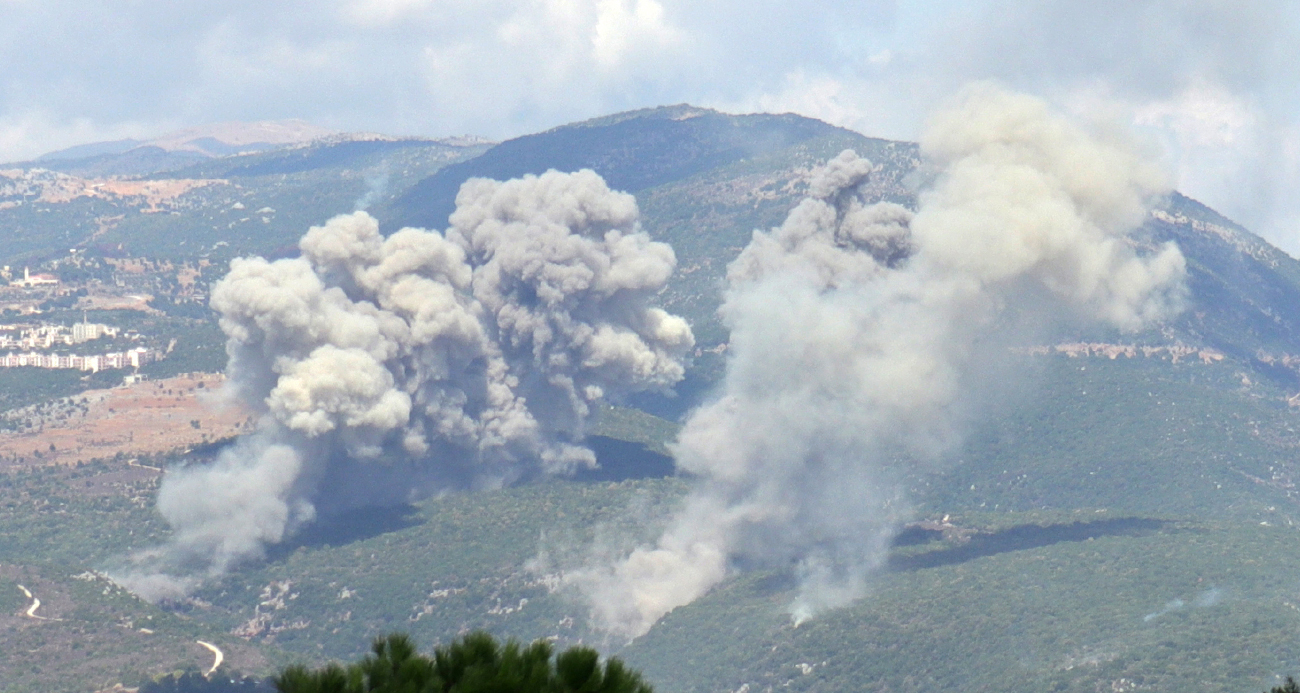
x=376, y=188
x=386, y=368
x=858, y=336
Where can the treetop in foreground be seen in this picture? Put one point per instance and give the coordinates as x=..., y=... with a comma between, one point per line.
x=475, y=663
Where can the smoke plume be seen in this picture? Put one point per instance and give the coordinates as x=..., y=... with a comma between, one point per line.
x=376, y=188
x=385, y=368
x=858, y=336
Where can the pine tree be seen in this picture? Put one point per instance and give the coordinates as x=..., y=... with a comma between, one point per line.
x=475, y=663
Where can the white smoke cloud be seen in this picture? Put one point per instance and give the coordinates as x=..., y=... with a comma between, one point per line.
x=386, y=367
x=376, y=188
x=1205, y=600
x=858, y=334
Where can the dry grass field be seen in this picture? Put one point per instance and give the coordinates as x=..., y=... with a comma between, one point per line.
x=145, y=418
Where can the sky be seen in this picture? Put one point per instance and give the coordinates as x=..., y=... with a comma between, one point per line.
x=1209, y=85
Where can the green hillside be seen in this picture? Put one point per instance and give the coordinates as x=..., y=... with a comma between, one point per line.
x=633, y=151
x=705, y=180
x=1119, y=521
x=259, y=203
x=1118, y=604
x=1088, y=513
x=1134, y=435
x=1057, y=600
x=92, y=634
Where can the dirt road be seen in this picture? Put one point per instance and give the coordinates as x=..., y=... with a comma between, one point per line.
x=36, y=604
x=218, y=658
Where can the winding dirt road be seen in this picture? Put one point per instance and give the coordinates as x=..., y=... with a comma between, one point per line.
x=218, y=658
x=36, y=604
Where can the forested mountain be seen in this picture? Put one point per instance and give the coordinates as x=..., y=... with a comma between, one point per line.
x=1122, y=521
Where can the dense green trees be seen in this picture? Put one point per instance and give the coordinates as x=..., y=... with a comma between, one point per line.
x=194, y=682
x=475, y=663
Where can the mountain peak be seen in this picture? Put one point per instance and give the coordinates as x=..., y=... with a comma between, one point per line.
x=680, y=111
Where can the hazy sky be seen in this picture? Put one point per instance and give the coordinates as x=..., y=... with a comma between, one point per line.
x=1212, y=82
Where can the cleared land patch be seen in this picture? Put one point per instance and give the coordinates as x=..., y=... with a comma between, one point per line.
x=146, y=418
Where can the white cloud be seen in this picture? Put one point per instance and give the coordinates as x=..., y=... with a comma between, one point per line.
x=379, y=12
x=882, y=58
x=1203, y=115
x=851, y=103
x=1214, y=80
x=624, y=27
x=494, y=67
x=27, y=135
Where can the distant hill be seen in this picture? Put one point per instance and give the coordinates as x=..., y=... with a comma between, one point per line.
x=633, y=151
x=1123, y=521
x=85, y=151
x=184, y=204
x=141, y=160
x=704, y=181
x=131, y=157
x=223, y=139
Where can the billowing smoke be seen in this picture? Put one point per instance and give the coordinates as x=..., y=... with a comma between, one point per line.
x=385, y=368
x=859, y=333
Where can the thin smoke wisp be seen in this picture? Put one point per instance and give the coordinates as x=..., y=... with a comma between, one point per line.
x=859, y=333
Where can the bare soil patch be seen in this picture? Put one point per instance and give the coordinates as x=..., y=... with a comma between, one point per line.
x=141, y=419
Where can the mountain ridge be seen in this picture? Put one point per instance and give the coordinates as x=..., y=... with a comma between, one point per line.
x=176, y=150
x=214, y=139
x=704, y=140
x=1120, y=480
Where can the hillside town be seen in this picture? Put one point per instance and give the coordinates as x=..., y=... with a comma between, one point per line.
x=132, y=358
x=43, y=336
x=47, y=336
x=79, y=280
x=29, y=280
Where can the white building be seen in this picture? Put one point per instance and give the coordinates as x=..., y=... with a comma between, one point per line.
x=134, y=358
x=88, y=331
x=29, y=280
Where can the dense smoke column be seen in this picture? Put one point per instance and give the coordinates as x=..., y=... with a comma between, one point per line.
x=858, y=333
x=383, y=368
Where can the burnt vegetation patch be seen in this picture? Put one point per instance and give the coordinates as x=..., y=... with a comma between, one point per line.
x=621, y=460
x=1017, y=538
x=342, y=528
